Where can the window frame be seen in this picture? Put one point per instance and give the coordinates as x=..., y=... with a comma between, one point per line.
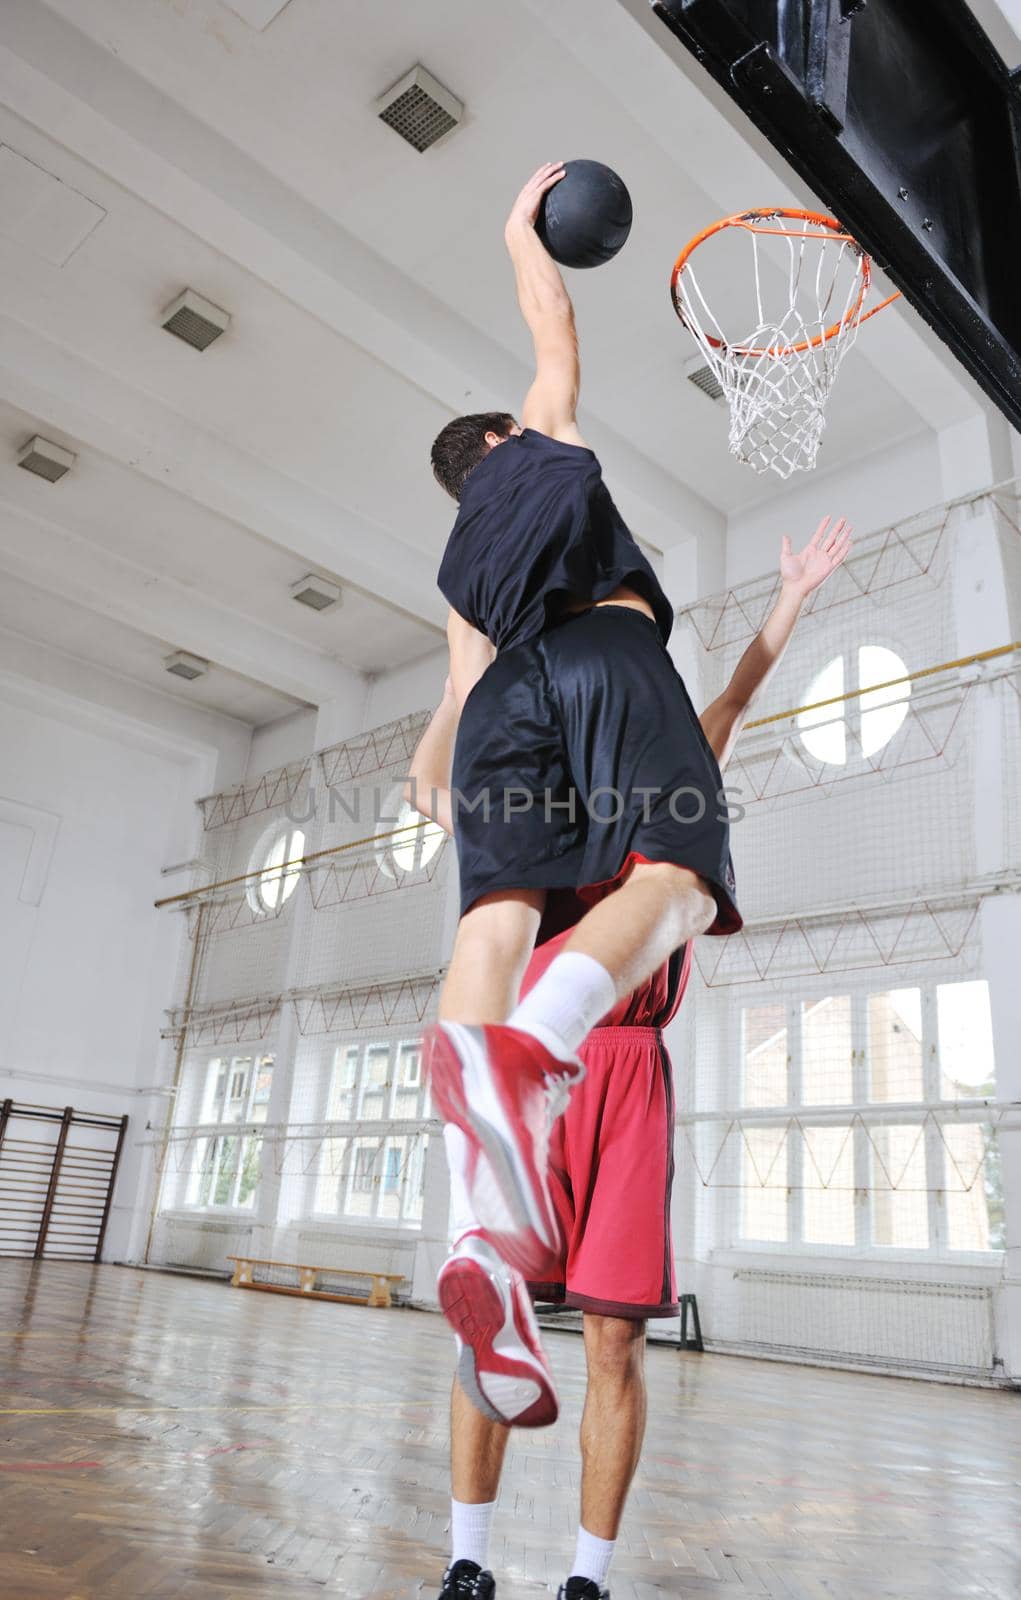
x=215, y=1131
x=383, y=1134
x=865, y=1248
x=399, y=813
x=851, y=712
x=259, y=870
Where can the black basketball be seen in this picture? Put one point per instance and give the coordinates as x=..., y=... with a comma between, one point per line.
x=586, y=217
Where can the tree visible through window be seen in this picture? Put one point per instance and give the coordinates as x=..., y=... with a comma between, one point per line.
x=236, y=1092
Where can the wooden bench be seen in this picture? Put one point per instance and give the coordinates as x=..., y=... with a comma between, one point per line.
x=379, y=1291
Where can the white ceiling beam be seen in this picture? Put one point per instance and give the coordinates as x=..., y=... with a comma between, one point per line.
x=63, y=83
x=100, y=411
x=39, y=551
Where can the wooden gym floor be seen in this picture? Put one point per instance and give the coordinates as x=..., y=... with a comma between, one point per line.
x=171, y=1437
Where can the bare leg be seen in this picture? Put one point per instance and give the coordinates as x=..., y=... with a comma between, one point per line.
x=494, y=941
x=633, y=931
x=477, y=1449
x=613, y=1421
x=630, y=933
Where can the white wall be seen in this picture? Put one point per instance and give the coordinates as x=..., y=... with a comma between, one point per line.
x=413, y=688
x=93, y=803
x=280, y=743
x=886, y=486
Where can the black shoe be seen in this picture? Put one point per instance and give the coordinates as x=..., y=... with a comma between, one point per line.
x=582, y=1589
x=466, y=1580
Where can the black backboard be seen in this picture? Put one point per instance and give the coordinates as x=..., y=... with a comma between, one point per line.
x=907, y=123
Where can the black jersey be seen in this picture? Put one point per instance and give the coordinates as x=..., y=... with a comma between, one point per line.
x=537, y=530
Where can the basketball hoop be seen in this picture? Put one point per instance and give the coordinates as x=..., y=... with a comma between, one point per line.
x=777, y=374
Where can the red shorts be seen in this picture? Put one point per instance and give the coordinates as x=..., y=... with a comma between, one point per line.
x=611, y=1170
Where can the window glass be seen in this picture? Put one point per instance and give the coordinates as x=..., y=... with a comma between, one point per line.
x=974, y=1188
x=827, y=1065
x=764, y=1184
x=828, y=1196
x=862, y=725
x=895, y=1045
x=277, y=881
x=966, y=1041
x=900, y=1202
x=765, y=1056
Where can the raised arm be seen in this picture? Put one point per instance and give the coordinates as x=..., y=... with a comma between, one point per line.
x=428, y=785
x=552, y=400
x=800, y=574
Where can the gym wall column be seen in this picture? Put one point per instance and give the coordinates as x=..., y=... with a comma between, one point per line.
x=982, y=617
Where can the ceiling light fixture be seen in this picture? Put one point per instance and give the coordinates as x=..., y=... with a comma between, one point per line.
x=46, y=459
x=317, y=593
x=183, y=665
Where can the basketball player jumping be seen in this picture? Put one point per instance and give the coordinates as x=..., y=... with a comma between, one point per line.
x=567, y=699
x=619, y=1267
x=611, y=1164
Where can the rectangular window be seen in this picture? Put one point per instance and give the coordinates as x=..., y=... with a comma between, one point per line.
x=974, y=1187
x=900, y=1201
x=966, y=1041
x=828, y=1196
x=374, y=1175
x=228, y=1167
x=848, y=1180
x=826, y=1064
x=766, y=1058
x=895, y=1045
x=343, y=1084
x=375, y=1083
x=764, y=1184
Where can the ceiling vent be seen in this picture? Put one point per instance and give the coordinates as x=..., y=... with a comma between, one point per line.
x=317, y=593
x=704, y=378
x=419, y=109
x=198, y=322
x=45, y=459
x=182, y=665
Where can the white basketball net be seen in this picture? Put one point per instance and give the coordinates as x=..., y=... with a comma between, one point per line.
x=778, y=372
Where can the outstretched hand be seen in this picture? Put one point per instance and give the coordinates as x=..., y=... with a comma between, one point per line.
x=806, y=569
x=526, y=207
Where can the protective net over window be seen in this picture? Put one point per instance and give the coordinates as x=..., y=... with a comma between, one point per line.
x=844, y=1107
x=787, y=293
x=312, y=961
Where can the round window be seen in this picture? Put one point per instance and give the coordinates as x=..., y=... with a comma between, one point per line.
x=861, y=726
x=407, y=841
x=277, y=877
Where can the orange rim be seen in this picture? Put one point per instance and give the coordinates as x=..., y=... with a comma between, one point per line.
x=829, y=228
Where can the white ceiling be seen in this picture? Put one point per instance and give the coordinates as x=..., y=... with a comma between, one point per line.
x=233, y=148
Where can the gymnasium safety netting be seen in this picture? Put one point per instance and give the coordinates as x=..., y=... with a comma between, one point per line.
x=846, y=1086
x=313, y=954
x=843, y=1106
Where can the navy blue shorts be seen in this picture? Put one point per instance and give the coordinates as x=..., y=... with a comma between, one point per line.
x=579, y=753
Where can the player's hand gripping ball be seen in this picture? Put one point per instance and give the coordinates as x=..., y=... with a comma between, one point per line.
x=585, y=218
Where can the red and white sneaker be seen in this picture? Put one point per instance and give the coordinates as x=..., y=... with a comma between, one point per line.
x=501, y=1364
x=504, y=1090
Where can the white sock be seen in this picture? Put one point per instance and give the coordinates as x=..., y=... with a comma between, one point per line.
x=572, y=995
x=592, y=1557
x=469, y=1531
x=462, y=1218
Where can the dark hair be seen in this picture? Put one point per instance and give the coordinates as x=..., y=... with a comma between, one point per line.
x=461, y=445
